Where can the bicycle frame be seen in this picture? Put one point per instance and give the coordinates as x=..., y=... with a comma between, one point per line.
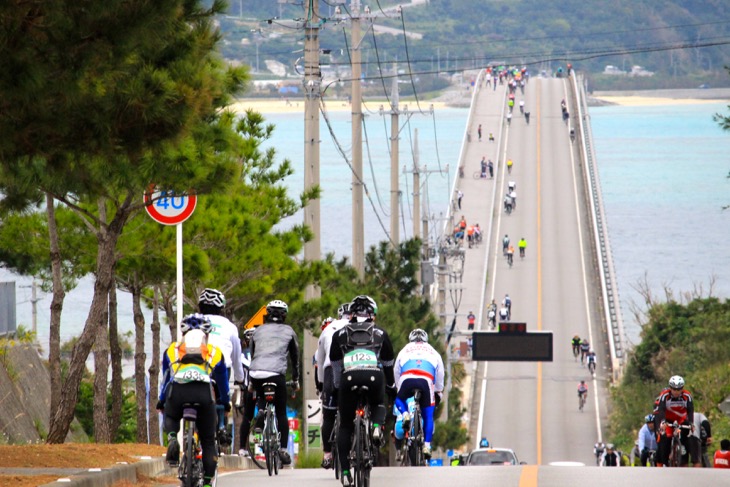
x=414, y=436
x=361, y=458
x=675, y=452
x=271, y=438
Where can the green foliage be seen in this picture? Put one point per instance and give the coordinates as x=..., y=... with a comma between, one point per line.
x=309, y=458
x=84, y=412
x=679, y=339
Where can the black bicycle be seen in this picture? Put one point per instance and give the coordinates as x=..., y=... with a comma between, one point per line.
x=678, y=452
x=414, y=438
x=362, y=455
x=271, y=436
x=190, y=470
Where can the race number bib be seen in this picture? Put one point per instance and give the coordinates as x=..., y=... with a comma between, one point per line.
x=360, y=359
x=186, y=375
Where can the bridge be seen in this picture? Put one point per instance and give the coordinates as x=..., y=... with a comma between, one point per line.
x=565, y=284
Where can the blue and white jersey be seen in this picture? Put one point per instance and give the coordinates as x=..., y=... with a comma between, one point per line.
x=419, y=360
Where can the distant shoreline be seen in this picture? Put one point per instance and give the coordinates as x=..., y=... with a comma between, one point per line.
x=597, y=98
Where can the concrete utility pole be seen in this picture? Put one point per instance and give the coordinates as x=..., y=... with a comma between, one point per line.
x=416, y=188
x=312, y=85
x=358, y=216
x=394, y=183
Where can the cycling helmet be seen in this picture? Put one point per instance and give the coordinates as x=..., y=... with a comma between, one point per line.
x=248, y=333
x=649, y=418
x=418, y=335
x=363, y=305
x=276, y=310
x=585, y=341
x=212, y=297
x=591, y=351
x=343, y=310
x=195, y=321
x=676, y=382
x=609, y=446
x=326, y=322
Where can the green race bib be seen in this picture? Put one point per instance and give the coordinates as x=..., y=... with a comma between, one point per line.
x=360, y=359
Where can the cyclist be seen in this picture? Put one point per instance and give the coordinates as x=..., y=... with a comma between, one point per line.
x=224, y=335
x=507, y=303
x=510, y=254
x=361, y=337
x=190, y=371
x=572, y=135
x=591, y=358
x=610, y=457
x=248, y=402
x=509, y=166
x=484, y=167
x=722, y=456
x=471, y=319
x=583, y=390
x=508, y=203
x=513, y=196
x=598, y=450
x=699, y=441
x=674, y=405
x=270, y=345
x=324, y=375
x=511, y=186
x=419, y=367
x=647, y=439
x=522, y=245
x=477, y=233
x=505, y=244
x=575, y=342
x=584, y=349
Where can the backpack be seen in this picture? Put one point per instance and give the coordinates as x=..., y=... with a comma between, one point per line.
x=360, y=335
x=361, y=350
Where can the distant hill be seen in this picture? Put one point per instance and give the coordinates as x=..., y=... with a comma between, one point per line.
x=459, y=34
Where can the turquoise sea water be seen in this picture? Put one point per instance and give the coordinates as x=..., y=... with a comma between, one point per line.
x=663, y=173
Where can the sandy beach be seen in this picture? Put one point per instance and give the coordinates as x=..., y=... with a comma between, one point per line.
x=663, y=97
x=280, y=105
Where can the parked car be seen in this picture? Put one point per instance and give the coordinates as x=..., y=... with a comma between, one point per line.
x=492, y=456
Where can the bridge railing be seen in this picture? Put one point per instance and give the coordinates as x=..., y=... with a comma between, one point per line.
x=608, y=281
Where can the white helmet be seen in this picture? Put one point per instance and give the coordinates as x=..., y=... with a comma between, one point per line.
x=277, y=310
x=212, y=297
x=676, y=382
x=418, y=335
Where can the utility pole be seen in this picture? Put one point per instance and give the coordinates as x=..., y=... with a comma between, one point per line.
x=394, y=183
x=416, y=197
x=358, y=224
x=312, y=85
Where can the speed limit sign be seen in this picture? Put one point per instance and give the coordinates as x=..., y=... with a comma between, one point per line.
x=168, y=207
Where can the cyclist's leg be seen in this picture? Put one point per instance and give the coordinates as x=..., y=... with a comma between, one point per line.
x=281, y=420
x=248, y=407
x=206, y=425
x=662, y=451
x=376, y=397
x=258, y=385
x=695, y=451
x=347, y=402
x=329, y=410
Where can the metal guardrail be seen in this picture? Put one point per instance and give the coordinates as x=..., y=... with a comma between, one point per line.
x=608, y=281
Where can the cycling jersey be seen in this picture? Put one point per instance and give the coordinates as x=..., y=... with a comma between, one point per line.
x=679, y=409
x=582, y=388
x=224, y=335
x=471, y=318
x=420, y=360
x=591, y=357
x=722, y=459
x=522, y=243
x=576, y=342
x=207, y=366
x=585, y=346
x=647, y=439
x=610, y=459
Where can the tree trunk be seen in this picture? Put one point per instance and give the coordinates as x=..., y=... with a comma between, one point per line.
x=101, y=358
x=101, y=375
x=171, y=315
x=54, y=339
x=139, y=363
x=105, y=260
x=154, y=370
x=117, y=394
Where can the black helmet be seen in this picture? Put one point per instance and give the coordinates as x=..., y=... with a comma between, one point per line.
x=276, y=310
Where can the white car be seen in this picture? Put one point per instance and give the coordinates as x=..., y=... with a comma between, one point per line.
x=492, y=456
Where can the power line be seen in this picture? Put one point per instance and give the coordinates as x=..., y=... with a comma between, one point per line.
x=408, y=60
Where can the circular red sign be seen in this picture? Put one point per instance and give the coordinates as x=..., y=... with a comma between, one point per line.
x=168, y=208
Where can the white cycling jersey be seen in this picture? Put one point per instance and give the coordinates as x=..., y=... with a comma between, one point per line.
x=224, y=335
x=419, y=360
x=323, y=346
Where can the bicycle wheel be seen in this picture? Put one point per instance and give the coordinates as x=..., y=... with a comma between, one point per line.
x=267, y=442
x=335, y=451
x=186, y=465
x=358, y=445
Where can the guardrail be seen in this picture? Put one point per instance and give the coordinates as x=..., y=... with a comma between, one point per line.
x=608, y=281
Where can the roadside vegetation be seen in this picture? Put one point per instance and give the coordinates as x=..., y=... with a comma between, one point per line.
x=688, y=338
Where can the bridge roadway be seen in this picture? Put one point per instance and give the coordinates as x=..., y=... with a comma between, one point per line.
x=529, y=407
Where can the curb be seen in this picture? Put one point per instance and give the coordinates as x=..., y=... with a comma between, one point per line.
x=155, y=467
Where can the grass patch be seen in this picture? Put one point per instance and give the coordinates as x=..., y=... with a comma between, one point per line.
x=309, y=458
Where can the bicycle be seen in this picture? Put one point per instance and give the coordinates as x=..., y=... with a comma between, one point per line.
x=361, y=451
x=414, y=438
x=576, y=351
x=479, y=175
x=271, y=436
x=510, y=258
x=677, y=451
x=581, y=400
x=592, y=367
x=190, y=470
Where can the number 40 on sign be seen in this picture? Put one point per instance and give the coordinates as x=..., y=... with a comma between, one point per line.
x=167, y=207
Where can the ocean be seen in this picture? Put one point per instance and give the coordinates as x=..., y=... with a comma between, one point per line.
x=663, y=172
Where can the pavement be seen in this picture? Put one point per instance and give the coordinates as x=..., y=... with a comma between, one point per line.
x=106, y=477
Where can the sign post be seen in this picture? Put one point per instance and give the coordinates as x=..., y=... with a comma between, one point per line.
x=169, y=208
